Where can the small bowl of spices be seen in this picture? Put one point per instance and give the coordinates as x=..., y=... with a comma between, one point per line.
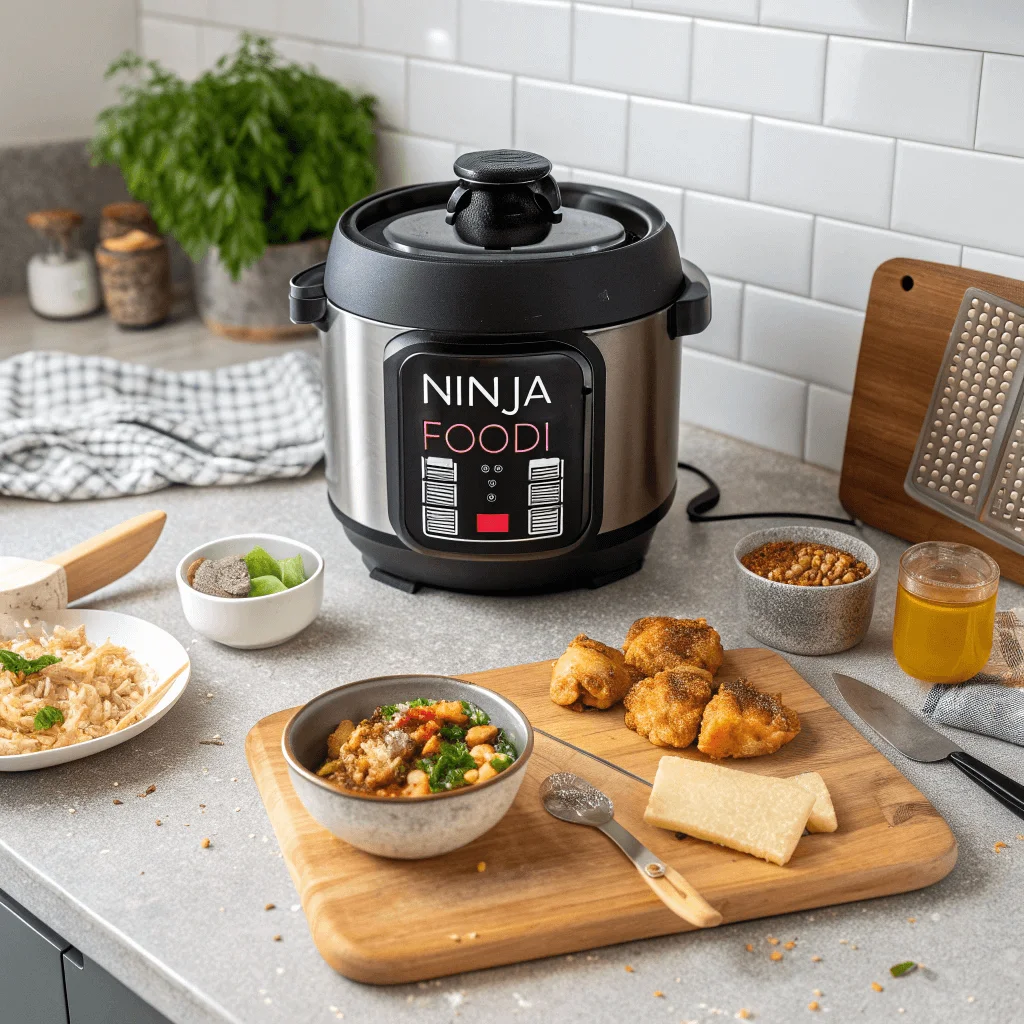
x=251, y=590
x=808, y=590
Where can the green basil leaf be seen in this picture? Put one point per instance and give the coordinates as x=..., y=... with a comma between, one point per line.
x=14, y=662
x=48, y=717
x=898, y=970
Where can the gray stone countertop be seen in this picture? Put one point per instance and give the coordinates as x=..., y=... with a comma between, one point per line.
x=186, y=927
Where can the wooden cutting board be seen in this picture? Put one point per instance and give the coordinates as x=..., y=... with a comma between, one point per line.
x=550, y=887
x=906, y=331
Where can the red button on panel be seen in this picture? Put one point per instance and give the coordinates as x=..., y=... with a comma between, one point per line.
x=492, y=522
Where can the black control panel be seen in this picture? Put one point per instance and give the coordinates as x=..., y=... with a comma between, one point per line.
x=490, y=447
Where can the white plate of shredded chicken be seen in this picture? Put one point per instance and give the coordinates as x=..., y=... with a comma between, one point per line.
x=78, y=682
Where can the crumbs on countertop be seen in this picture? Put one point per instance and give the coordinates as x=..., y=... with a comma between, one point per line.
x=206, y=844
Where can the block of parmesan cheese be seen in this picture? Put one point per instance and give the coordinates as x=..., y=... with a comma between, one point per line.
x=755, y=814
x=823, y=814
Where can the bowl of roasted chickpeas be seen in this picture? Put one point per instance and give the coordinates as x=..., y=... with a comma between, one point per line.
x=408, y=766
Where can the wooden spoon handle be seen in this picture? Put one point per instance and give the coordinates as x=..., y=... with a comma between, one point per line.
x=683, y=899
x=109, y=555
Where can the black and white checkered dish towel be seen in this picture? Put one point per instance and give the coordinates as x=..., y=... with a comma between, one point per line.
x=75, y=427
x=992, y=702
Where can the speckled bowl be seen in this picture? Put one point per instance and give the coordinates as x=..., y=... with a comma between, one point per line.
x=410, y=828
x=808, y=620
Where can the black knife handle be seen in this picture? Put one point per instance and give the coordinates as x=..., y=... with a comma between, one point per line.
x=1003, y=788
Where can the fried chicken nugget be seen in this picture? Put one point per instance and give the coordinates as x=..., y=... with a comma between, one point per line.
x=591, y=673
x=659, y=642
x=666, y=708
x=741, y=721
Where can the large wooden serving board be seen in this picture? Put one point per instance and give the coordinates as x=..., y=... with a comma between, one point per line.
x=550, y=887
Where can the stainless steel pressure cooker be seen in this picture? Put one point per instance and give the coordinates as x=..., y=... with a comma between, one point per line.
x=501, y=364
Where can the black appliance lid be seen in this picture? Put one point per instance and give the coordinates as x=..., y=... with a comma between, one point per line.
x=503, y=250
x=427, y=232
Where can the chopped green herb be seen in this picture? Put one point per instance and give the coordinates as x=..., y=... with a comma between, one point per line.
x=504, y=746
x=450, y=767
x=452, y=733
x=477, y=716
x=422, y=702
x=48, y=717
x=500, y=762
x=14, y=662
x=898, y=970
x=389, y=710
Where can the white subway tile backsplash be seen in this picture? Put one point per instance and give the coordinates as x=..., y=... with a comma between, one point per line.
x=696, y=147
x=748, y=242
x=362, y=71
x=325, y=21
x=822, y=170
x=298, y=51
x=1001, y=107
x=759, y=70
x=722, y=336
x=668, y=200
x=994, y=262
x=801, y=337
x=846, y=257
x=729, y=10
x=756, y=405
x=179, y=8
x=531, y=37
x=408, y=160
x=912, y=92
x=575, y=125
x=214, y=42
x=828, y=415
x=793, y=146
x=417, y=28
x=634, y=51
x=974, y=24
x=974, y=198
x=172, y=43
x=255, y=14
x=880, y=19
x=460, y=103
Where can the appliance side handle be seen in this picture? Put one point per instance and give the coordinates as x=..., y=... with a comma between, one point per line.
x=307, y=298
x=691, y=311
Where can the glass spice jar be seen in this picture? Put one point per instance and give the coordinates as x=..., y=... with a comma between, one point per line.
x=945, y=611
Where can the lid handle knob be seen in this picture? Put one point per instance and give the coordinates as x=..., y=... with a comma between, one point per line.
x=505, y=198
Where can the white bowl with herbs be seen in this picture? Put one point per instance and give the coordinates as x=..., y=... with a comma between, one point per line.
x=251, y=590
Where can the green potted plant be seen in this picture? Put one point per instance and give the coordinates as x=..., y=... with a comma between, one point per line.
x=248, y=167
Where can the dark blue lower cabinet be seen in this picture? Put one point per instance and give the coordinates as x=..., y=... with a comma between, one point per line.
x=96, y=997
x=45, y=980
x=31, y=969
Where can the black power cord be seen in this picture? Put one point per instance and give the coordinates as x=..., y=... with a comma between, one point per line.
x=698, y=507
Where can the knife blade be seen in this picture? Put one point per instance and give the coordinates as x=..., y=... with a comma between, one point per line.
x=893, y=722
x=910, y=736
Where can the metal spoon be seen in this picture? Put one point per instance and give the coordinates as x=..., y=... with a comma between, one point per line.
x=572, y=799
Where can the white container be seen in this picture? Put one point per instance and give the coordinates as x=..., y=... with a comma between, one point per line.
x=253, y=622
x=63, y=287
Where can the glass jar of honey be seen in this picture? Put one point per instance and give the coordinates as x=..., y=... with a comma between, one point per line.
x=945, y=611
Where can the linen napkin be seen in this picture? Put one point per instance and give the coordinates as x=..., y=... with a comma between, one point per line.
x=992, y=702
x=76, y=427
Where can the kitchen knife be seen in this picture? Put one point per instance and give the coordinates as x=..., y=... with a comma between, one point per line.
x=910, y=736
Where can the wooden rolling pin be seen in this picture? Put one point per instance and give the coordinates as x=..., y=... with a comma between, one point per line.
x=30, y=586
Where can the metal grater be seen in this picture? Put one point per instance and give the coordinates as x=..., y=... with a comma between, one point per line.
x=969, y=460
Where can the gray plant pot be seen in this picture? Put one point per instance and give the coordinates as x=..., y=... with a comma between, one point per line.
x=255, y=307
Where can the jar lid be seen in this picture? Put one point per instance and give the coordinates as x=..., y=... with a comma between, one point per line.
x=948, y=573
x=506, y=249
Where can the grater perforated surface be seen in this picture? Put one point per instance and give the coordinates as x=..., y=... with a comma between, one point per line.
x=969, y=461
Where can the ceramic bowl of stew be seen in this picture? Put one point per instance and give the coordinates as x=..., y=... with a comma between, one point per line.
x=413, y=827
